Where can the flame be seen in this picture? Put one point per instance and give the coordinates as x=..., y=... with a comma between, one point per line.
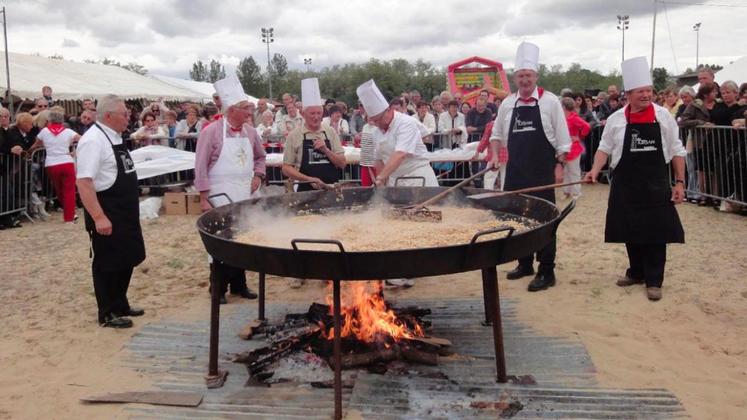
x=366, y=317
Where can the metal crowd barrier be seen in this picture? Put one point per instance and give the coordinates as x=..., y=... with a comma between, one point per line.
x=15, y=185
x=716, y=163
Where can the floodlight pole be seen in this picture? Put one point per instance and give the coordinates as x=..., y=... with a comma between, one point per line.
x=8, y=96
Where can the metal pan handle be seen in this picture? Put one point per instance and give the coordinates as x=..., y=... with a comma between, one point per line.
x=563, y=214
x=295, y=242
x=482, y=233
x=210, y=197
x=345, y=264
x=422, y=178
x=489, y=231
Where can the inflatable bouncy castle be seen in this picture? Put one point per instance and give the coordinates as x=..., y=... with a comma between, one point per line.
x=471, y=75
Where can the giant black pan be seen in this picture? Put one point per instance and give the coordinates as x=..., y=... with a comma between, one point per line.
x=218, y=226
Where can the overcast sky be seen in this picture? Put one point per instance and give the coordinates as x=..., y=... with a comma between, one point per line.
x=167, y=36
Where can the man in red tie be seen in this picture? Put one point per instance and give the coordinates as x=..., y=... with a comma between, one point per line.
x=531, y=124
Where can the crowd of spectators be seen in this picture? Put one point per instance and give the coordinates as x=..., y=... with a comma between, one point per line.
x=716, y=164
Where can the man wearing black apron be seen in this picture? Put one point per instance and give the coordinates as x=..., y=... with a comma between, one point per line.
x=107, y=183
x=642, y=139
x=313, y=153
x=532, y=125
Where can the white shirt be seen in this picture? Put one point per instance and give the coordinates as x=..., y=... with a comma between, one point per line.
x=446, y=123
x=429, y=122
x=343, y=127
x=96, y=156
x=286, y=123
x=405, y=133
x=613, y=135
x=551, y=114
x=57, y=147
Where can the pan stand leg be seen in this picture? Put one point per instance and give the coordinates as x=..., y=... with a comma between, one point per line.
x=215, y=378
x=491, y=295
x=261, y=300
x=337, y=349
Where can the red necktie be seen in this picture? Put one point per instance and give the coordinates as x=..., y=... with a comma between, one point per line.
x=528, y=100
x=235, y=130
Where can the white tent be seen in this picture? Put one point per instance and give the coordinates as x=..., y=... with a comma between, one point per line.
x=736, y=72
x=202, y=87
x=71, y=80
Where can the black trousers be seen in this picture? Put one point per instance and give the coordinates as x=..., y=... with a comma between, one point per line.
x=647, y=263
x=545, y=257
x=227, y=275
x=110, y=287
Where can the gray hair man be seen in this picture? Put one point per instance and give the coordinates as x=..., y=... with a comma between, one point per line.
x=108, y=187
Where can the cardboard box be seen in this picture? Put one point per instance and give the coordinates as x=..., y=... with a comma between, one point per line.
x=175, y=203
x=193, y=203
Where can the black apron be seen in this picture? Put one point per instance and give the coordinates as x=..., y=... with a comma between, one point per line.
x=640, y=210
x=125, y=247
x=316, y=164
x=531, y=157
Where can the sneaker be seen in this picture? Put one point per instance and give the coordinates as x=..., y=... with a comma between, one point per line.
x=653, y=293
x=297, y=283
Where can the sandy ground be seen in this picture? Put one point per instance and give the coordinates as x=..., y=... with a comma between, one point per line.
x=692, y=342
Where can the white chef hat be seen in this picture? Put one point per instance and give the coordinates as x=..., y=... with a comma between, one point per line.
x=230, y=91
x=310, y=95
x=636, y=73
x=370, y=96
x=527, y=57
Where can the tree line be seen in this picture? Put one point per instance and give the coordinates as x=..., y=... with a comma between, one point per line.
x=394, y=77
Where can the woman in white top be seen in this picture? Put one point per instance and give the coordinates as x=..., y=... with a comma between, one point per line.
x=336, y=122
x=150, y=133
x=267, y=127
x=56, y=139
x=188, y=129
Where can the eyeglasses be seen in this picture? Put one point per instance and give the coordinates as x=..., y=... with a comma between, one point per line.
x=42, y=106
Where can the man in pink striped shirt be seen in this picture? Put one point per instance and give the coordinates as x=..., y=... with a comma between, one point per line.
x=230, y=161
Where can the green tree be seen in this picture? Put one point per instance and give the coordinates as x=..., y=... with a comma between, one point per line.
x=250, y=75
x=279, y=66
x=199, y=71
x=137, y=68
x=660, y=78
x=216, y=71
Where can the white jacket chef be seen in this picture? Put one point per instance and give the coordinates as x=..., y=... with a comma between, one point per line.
x=398, y=142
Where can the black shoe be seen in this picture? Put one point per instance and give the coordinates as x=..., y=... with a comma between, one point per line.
x=541, y=282
x=520, y=272
x=246, y=294
x=114, y=321
x=133, y=312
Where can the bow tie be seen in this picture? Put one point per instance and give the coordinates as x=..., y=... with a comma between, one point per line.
x=529, y=100
x=235, y=130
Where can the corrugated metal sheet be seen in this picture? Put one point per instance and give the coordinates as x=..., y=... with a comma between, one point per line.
x=175, y=355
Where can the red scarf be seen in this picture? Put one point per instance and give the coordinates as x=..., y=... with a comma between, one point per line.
x=531, y=99
x=56, y=128
x=647, y=116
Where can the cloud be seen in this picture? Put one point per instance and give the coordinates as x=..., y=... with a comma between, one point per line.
x=167, y=36
x=70, y=43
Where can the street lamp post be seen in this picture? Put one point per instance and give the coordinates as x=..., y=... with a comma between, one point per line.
x=622, y=25
x=696, y=28
x=268, y=38
x=307, y=62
